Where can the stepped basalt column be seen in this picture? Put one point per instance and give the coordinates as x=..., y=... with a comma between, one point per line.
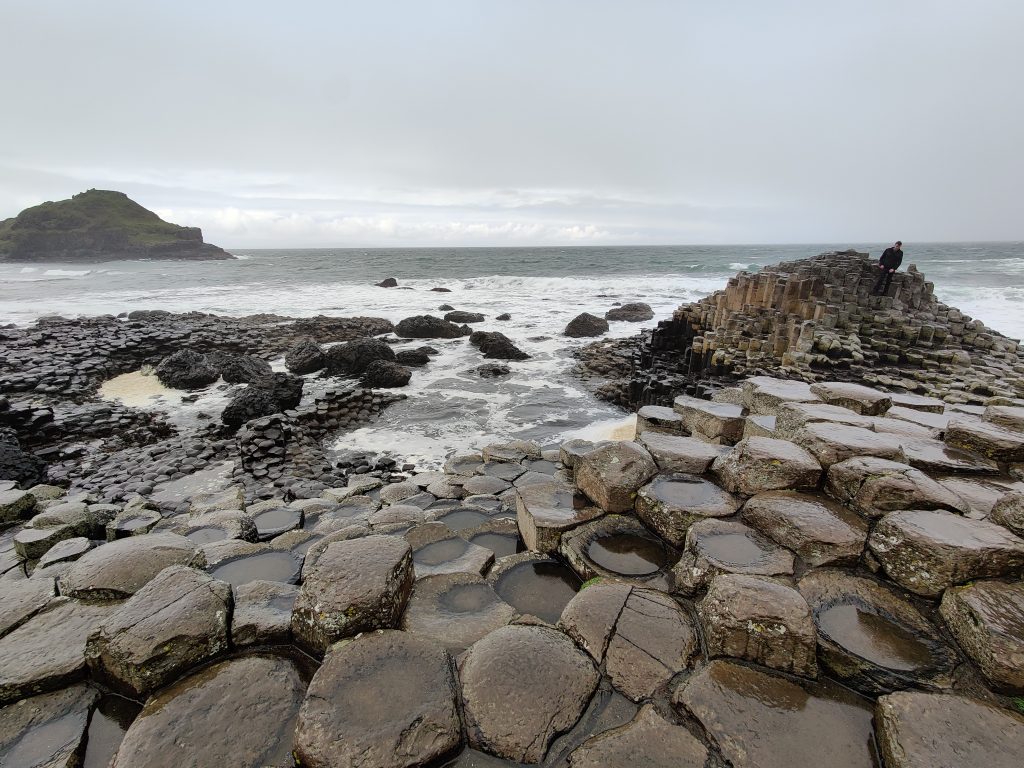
x=817, y=318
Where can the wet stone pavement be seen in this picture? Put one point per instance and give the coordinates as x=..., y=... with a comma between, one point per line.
x=715, y=593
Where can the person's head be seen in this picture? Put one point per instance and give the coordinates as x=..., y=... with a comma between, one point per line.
x=899, y=244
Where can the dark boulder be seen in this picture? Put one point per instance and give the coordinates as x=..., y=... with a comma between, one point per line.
x=430, y=327
x=441, y=290
x=445, y=308
x=285, y=388
x=586, y=325
x=270, y=394
x=353, y=357
x=383, y=374
x=186, y=369
x=305, y=357
x=427, y=350
x=251, y=403
x=23, y=468
x=388, y=282
x=497, y=346
x=636, y=312
x=413, y=357
x=242, y=369
x=464, y=317
x=504, y=316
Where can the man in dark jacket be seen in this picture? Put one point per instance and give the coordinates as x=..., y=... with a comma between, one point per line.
x=887, y=265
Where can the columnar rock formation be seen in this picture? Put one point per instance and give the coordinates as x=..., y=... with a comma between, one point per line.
x=817, y=318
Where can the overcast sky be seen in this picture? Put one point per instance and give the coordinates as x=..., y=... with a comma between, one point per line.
x=487, y=122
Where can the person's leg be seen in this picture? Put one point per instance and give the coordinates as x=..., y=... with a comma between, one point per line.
x=878, y=283
x=888, y=282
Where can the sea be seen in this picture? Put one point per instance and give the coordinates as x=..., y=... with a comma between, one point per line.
x=451, y=409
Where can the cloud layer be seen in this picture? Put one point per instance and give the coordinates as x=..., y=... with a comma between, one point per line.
x=563, y=121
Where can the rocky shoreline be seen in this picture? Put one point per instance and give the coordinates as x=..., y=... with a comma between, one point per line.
x=822, y=563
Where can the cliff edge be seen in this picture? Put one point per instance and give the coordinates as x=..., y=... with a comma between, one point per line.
x=99, y=225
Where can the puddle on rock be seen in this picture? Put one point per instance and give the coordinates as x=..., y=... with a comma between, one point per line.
x=628, y=554
x=500, y=544
x=541, y=589
x=467, y=598
x=209, y=480
x=277, y=521
x=461, y=519
x=109, y=722
x=874, y=638
x=270, y=566
x=440, y=551
x=732, y=549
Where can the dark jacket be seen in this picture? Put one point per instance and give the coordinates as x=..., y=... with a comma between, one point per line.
x=892, y=258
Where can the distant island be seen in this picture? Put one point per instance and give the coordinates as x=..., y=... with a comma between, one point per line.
x=99, y=225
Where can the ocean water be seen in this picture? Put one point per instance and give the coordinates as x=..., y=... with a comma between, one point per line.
x=450, y=408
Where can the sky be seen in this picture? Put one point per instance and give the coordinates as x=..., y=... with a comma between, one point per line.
x=488, y=122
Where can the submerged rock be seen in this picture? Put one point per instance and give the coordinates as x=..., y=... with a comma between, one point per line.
x=636, y=312
x=305, y=357
x=430, y=327
x=353, y=358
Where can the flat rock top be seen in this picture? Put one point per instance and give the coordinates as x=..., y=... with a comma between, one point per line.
x=355, y=568
x=649, y=741
x=455, y=610
x=825, y=519
x=522, y=685
x=120, y=568
x=383, y=699
x=948, y=529
x=48, y=649
x=999, y=605
x=46, y=730
x=935, y=730
x=239, y=712
x=767, y=721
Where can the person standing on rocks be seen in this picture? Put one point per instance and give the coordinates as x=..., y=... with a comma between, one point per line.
x=891, y=259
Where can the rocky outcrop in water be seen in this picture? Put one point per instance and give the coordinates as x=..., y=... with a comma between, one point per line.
x=811, y=320
x=99, y=225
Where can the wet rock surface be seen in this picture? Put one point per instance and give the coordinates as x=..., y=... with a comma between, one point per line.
x=384, y=699
x=816, y=528
x=925, y=552
x=761, y=720
x=916, y=730
x=649, y=738
x=987, y=620
x=175, y=622
x=872, y=638
x=47, y=730
x=255, y=699
x=521, y=686
x=640, y=637
x=719, y=546
x=764, y=621
x=354, y=586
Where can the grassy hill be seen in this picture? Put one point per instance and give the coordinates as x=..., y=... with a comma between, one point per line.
x=99, y=225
